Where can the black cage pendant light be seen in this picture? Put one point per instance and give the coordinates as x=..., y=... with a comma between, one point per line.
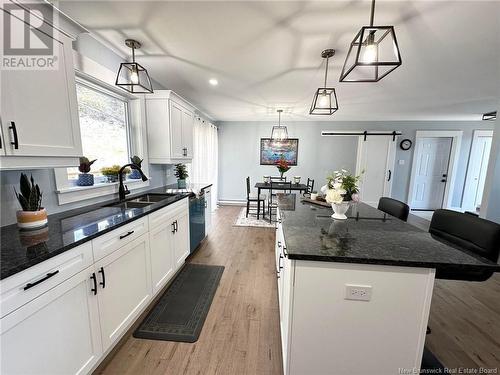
x=325, y=99
x=279, y=133
x=372, y=55
x=132, y=76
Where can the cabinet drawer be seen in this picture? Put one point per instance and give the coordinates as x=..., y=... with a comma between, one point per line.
x=161, y=216
x=25, y=286
x=109, y=242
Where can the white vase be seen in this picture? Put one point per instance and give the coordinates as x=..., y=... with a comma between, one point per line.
x=339, y=210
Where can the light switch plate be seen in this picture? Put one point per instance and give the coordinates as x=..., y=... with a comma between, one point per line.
x=401, y=162
x=358, y=292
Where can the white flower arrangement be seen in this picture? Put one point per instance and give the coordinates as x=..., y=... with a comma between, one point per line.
x=341, y=186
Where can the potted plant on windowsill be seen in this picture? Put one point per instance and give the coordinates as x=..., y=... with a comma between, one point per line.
x=85, y=178
x=32, y=215
x=111, y=173
x=135, y=174
x=181, y=174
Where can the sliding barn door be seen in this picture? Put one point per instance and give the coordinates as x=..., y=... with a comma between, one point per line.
x=376, y=157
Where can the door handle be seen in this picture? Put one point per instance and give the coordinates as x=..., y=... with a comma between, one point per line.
x=15, y=143
x=103, y=282
x=443, y=180
x=94, y=279
x=390, y=175
x=48, y=276
x=445, y=175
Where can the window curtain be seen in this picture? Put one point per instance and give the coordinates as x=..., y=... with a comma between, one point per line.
x=205, y=164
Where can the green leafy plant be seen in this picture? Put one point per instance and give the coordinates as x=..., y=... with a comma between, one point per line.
x=30, y=197
x=181, y=171
x=85, y=164
x=344, y=182
x=113, y=170
x=136, y=160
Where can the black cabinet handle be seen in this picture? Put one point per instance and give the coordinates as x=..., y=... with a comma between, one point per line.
x=14, y=133
x=176, y=226
x=103, y=282
x=48, y=276
x=284, y=251
x=279, y=244
x=0, y=142
x=173, y=227
x=94, y=279
x=279, y=262
x=390, y=175
x=443, y=180
x=126, y=235
x=277, y=274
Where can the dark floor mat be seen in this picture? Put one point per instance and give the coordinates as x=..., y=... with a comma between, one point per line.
x=181, y=311
x=430, y=362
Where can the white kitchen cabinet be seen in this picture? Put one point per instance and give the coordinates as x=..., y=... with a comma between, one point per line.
x=162, y=254
x=56, y=333
x=39, y=112
x=170, y=128
x=187, y=133
x=124, y=288
x=181, y=238
x=208, y=210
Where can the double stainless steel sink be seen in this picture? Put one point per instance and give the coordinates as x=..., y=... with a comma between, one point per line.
x=142, y=201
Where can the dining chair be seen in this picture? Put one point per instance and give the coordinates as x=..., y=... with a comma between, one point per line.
x=394, y=208
x=272, y=202
x=466, y=232
x=252, y=198
x=310, y=187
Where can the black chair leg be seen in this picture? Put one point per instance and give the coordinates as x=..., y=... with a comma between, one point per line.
x=258, y=208
x=248, y=207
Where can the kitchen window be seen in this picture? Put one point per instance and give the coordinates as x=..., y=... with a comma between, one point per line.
x=112, y=131
x=104, y=127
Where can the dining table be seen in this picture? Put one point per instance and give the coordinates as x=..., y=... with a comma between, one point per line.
x=278, y=186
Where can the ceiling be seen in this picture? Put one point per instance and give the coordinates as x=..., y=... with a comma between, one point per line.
x=267, y=55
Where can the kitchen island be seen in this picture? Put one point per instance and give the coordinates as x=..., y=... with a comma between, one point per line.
x=355, y=294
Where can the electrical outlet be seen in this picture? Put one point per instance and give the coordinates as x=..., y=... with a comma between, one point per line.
x=358, y=292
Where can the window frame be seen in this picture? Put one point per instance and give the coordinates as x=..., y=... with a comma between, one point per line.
x=136, y=141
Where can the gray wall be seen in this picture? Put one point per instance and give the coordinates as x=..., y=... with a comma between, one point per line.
x=239, y=144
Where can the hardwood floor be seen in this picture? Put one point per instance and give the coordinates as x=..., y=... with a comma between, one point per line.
x=241, y=333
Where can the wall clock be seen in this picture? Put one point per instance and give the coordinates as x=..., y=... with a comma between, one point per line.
x=405, y=144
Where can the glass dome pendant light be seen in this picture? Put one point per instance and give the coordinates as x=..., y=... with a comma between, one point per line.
x=132, y=76
x=279, y=133
x=373, y=53
x=325, y=99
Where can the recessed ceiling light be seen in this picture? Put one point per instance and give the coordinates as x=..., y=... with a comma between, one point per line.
x=213, y=81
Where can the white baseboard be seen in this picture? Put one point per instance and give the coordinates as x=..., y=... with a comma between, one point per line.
x=232, y=203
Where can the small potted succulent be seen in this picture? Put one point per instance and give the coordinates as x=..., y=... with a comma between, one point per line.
x=181, y=174
x=111, y=173
x=135, y=174
x=85, y=178
x=32, y=215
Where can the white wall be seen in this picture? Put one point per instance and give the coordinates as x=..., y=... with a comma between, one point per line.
x=239, y=144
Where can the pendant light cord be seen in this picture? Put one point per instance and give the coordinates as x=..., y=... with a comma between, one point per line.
x=326, y=71
x=372, y=15
x=133, y=54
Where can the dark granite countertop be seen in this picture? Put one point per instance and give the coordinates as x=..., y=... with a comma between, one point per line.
x=368, y=236
x=20, y=250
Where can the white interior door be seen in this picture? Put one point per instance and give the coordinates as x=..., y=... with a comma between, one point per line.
x=431, y=174
x=476, y=171
x=376, y=158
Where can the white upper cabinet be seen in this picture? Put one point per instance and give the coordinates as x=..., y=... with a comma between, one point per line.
x=170, y=128
x=39, y=111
